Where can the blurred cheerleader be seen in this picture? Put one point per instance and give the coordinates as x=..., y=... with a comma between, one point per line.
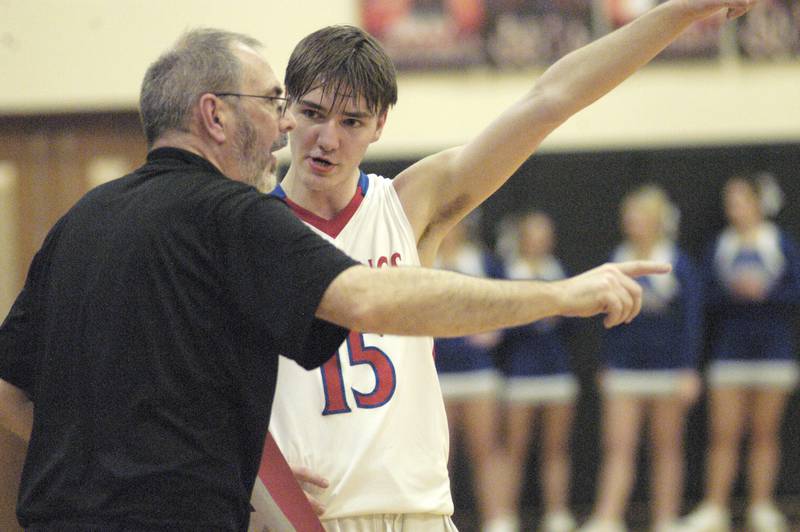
x=466, y=371
x=538, y=380
x=650, y=368
x=753, y=291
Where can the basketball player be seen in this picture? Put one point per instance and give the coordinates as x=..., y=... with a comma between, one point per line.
x=371, y=421
x=650, y=369
x=540, y=389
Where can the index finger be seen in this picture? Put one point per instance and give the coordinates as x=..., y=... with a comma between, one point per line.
x=303, y=474
x=735, y=12
x=737, y=8
x=638, y=268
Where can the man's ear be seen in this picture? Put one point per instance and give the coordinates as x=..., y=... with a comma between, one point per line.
x=212, y=117
x=379, y=127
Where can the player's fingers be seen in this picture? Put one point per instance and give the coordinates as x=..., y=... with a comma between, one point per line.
x=735, y=12
x=638, y=268
x=304, y=474
x=740, y=4
x=737, y=8
x=634, y=290
x=637, y=306
x=627, y=294
x=317, y=506
x=614, y=309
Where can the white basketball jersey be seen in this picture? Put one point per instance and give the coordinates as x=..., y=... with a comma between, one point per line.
x=372, y=419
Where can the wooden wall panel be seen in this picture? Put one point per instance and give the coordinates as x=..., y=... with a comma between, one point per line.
x=46, y=164
x=54, y=157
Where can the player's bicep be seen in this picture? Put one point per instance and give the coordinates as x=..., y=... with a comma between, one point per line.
x=441, y=189
x=422, y=188
x=433, y=197
x=487, y=161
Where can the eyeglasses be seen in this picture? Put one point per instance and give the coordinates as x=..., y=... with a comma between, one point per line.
x=281, y=102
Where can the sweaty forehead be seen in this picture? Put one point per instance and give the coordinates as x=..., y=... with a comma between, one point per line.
x=337, y=97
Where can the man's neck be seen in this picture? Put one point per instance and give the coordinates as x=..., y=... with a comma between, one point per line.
x=325, y=203
x=190, y=143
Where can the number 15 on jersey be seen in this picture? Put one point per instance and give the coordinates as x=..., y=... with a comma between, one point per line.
x=333, y=377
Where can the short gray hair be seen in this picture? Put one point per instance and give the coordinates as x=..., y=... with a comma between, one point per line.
x=202, y=60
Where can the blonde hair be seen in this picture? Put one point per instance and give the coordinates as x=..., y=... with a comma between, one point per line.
x=668, y=213
x=766, y=188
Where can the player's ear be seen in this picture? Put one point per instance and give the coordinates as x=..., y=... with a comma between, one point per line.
x=379, y=126
x=212, y=117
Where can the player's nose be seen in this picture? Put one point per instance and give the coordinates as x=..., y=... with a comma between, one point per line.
x=328, y=136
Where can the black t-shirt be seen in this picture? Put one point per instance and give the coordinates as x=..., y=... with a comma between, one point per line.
x=147, y=336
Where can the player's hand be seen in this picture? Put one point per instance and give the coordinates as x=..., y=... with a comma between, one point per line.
x=705, y=8
x=609, y=289
x=309, y=480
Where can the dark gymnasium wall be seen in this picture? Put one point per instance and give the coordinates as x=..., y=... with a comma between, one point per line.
x=582, y=191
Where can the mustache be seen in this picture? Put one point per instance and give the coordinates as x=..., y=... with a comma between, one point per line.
x=281, y=142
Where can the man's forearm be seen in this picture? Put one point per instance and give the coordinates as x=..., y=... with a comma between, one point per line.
x=16, y=410
x=424, y=302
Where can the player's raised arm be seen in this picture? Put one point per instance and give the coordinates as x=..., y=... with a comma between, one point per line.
x=418, y=301
x=439, y=190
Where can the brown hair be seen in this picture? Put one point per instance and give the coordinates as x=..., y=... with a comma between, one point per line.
x=346, y=60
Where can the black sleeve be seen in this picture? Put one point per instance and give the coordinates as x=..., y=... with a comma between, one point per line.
x=18, y=336
x=278, y=270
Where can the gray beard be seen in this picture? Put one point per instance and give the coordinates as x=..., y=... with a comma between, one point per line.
x=266, y=181
x=253, y=165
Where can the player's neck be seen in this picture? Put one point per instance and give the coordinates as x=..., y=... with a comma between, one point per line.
x=324, y=202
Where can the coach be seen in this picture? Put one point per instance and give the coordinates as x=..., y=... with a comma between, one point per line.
x=148, y=330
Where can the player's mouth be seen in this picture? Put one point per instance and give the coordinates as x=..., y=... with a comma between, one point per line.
x=320, y=165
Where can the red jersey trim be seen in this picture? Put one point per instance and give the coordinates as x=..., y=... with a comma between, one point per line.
x=335, y=225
